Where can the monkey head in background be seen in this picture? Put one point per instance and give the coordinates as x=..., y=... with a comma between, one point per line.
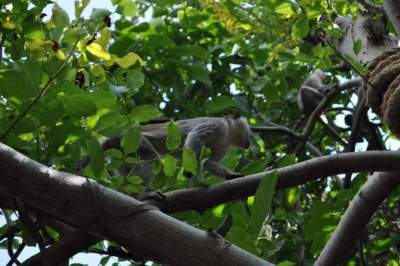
x=215, y=133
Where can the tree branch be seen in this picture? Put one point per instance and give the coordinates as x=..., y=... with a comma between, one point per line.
x=297, y=174
x=105, y=213
x=321, y=107
x=361, y=208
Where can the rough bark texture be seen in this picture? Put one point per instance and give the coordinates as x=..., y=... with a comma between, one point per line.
x=342, y=243
x=84, y=204
x=357, y=30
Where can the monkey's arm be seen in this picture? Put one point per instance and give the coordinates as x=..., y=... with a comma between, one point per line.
x=216, y=168
x=214, y=136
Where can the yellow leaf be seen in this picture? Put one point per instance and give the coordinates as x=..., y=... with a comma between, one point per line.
x=244, y=26
x=104, y=38
x=60, y=54
x=8, y=24
x=96, y=50
x=128, y=60
x=229, y=25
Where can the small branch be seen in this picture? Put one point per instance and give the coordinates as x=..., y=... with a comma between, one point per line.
x=40, y=94
x=314, y=118
x=14, y=258
x=342, y=243
x=284, y=130
x=358, y=117
x=32, y=229
x=68, y=245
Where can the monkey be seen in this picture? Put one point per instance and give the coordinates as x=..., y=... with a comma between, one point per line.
x=311, y=93
x=216, y=133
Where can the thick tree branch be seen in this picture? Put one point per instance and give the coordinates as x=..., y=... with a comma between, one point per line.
x=84, y=204
x=290, y=176
x=362, y=207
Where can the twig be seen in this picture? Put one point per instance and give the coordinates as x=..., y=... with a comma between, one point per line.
x=359, y=114
x=284, y=130
x=41, y=93
x=14, y=258
x=31, y=228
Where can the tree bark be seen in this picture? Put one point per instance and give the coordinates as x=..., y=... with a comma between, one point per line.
x=105, y=213
x=203, y=198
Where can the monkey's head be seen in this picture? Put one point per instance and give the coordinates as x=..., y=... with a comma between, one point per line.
x=240, y=135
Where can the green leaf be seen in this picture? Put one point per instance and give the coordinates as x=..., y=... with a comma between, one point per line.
x=169, y=163
x=219, y=104
x=145, y=113
x=127, y=8
x=80, y=6
x=59, y=17
x=173, y=136
x=114, y=153
x=357, y=46
x=134, y=179
x=133, y=188
x=135, y=80
x=95, y=152
x=284, y=9
x=158, y=40
x=131, y=141
x=188, y=50
x=34, y=72
x=262, y=201
x=133, y=160
x=286, y=263
x=189, y=161
x=300, y=29
x=142, y=27
x=33, y=28
x=79, y=105
x=15, y=83
x=198, y=72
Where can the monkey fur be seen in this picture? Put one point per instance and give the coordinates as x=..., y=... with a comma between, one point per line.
x=215, y=133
